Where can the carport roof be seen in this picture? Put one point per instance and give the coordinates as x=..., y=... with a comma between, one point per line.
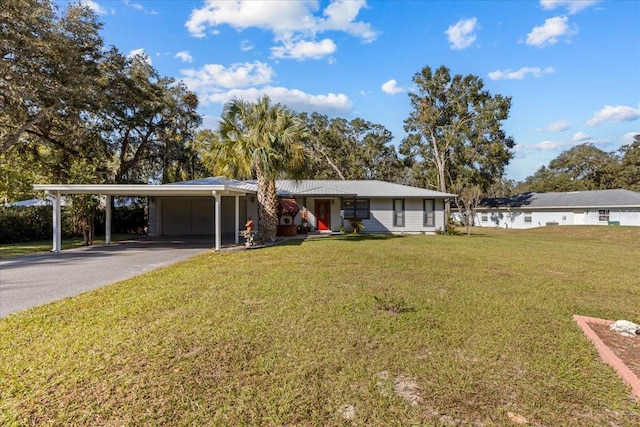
x=217, y=186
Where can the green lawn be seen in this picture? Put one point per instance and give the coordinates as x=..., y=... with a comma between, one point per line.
x=29, y=248
x=367, y=330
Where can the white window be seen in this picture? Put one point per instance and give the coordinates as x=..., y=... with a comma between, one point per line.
x=398, y=212
x=429, y=213
x=356, y=208
x=527, y=217
x=603, y=215
x=484, y=217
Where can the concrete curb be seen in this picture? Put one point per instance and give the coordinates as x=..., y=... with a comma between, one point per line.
x=605, y=352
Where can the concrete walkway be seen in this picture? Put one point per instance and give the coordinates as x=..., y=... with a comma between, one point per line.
x=32, y=280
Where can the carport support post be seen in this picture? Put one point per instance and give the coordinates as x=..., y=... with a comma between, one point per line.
x=57, y=222
x=107, y=221
x=218, y=236
x=237, y=219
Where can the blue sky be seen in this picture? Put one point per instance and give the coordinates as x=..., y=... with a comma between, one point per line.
x=572, y=68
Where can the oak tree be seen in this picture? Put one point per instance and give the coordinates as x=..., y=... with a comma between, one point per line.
x=455, y=132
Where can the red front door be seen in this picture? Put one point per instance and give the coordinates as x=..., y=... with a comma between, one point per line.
x=323, y=215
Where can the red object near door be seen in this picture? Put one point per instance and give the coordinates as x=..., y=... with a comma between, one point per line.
x=323, y=215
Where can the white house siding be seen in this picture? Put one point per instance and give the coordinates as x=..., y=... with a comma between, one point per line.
x=516, y=218
x=562, y=217
x=439, y=214
x=595, y=207
x=382, y=213
x=623, y=216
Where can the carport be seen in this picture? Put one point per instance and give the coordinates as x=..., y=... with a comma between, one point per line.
x=183, y=190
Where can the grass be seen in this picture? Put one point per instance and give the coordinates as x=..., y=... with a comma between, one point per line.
x=8, y=250
x=356, y=330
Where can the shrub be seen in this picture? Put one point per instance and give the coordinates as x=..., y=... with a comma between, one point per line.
x=22, y=224
x=32, y=223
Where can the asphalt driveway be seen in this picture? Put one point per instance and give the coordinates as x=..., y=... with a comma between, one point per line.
x=33, y=280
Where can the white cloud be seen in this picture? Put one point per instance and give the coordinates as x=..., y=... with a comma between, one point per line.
x=94, y=6
x=549, y=145
x=210, y=121
x=216, y=76
x=391, y=87
x=341, y=15
x=461, y=35
x=140, y=53
x=559, y=126
x=185, y=56
x=140, y=7
x=620, y=113
x=246, y=45
x=294, y=24
x=280, y=17
x=304, y=49
x=520, y=74
x=580, y=137
x=628, y=137
x=550, y=32
x=330, y=104
x=573, y=6
x=217, y=84
x=136, y=6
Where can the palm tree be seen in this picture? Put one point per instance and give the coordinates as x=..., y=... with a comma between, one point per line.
x=263, y=141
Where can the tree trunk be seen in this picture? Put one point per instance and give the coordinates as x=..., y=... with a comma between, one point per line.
x=267, y=207
x=331, y=163
x=441, y=165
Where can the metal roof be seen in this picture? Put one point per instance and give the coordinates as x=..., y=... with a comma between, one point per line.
x=360, y=188
x=618, y=198
x=205, y=186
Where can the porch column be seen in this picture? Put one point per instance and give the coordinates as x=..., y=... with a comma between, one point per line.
x=237, y=229
x=107, y=222
x=218, y=236
x=57, y=222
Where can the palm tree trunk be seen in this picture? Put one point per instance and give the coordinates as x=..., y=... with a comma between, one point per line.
x=267, y=207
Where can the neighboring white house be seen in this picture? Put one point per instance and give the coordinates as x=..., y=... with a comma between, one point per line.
x=528, y=210
x=219, y=207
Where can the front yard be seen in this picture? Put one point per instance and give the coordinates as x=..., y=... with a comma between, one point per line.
x=364, y=330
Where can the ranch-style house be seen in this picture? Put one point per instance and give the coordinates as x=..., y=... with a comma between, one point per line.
x=219, y=207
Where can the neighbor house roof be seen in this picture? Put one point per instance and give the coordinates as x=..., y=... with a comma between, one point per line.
x=617, y=198
x=29, y=203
